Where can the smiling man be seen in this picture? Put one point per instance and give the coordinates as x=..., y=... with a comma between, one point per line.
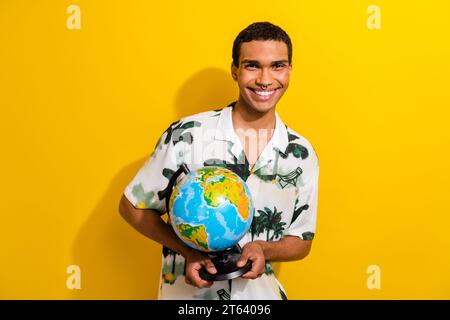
x=279, y=166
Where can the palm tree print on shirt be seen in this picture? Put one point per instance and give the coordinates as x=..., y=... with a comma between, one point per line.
x=176, y=132
x=268, y=221
x=298, y=211
x=305, y=235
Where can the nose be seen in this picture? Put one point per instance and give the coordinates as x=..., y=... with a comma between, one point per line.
x=264, y=78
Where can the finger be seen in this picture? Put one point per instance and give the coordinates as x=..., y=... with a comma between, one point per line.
x=243, y=258
x=258, y=268
x=210, y=267
x=193, y=277
x=258, y=265
x=250, y=275
x=203, y=284
x=199, y=282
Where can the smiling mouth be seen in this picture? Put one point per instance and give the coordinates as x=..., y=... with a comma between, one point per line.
x=263, y=93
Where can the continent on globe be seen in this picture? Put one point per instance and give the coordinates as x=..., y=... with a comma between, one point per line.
x=194, y=234
x=226, y=187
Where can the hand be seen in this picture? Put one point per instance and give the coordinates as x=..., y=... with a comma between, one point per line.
x=194, y=262
x=254, y=252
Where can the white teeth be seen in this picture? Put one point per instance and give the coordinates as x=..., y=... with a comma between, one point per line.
x=264, y=93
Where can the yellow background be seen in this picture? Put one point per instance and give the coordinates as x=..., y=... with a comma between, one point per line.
x=82, y=109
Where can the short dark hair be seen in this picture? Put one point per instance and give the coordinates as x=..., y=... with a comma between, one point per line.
x=260, y=31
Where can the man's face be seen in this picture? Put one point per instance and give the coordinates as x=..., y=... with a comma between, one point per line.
x=263, y=73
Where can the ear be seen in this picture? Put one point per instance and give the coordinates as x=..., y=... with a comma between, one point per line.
x=234, y=70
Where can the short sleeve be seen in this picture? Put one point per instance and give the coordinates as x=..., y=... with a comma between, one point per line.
x=304, y=217
x=148, y=188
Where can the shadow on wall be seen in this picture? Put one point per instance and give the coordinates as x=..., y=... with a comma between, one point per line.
x=206, y=90
x=116, y=261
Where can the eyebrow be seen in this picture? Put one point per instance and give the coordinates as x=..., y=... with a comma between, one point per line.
x=257, y=62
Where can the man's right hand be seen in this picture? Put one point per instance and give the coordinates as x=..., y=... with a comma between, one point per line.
x=195, y=260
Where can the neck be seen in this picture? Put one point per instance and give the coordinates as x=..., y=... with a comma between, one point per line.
x=244, y=117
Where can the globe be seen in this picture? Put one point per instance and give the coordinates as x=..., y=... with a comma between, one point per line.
x=211, y=209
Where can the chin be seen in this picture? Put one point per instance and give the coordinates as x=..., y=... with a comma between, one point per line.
x=260, y=106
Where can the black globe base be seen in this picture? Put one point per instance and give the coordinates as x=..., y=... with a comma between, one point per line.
x=225, y=263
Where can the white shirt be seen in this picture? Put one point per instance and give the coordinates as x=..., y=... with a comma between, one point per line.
x=283, y=183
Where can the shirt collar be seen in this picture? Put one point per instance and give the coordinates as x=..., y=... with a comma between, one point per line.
x=278, y=142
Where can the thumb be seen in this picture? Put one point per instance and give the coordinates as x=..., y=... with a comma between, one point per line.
x=243, y=259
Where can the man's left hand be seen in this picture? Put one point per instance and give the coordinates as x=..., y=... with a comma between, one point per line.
x=254, y=252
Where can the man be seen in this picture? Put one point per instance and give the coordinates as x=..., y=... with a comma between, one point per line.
x=279, y=166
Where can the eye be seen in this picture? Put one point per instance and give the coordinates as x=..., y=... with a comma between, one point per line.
x=279, y=65
x=251, y=66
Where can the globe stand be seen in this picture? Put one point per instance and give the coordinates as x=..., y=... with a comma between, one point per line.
x=225, y=263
